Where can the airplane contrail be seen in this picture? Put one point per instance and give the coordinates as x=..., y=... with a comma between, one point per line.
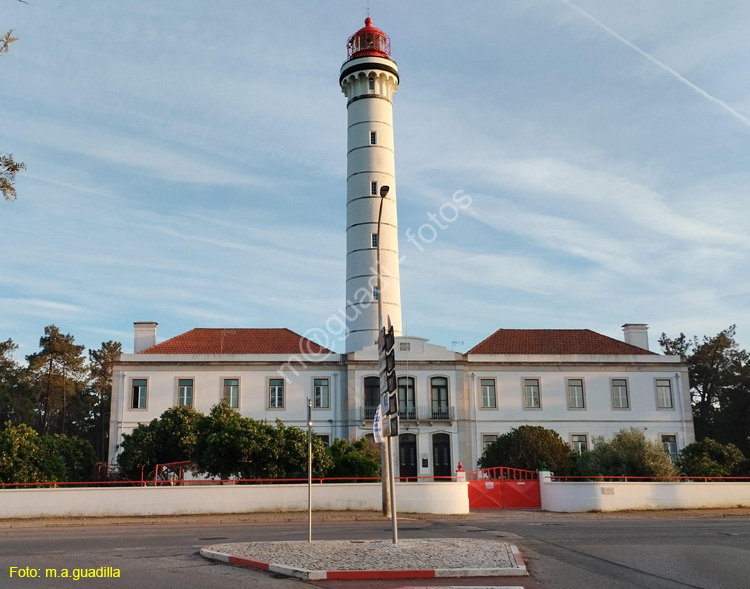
x=721, y=104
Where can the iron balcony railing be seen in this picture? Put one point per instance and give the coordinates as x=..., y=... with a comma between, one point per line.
x=436, y=412
x=369, y=411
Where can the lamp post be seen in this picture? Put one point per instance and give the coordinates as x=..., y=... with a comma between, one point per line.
x=385, y=467
x=309, y=470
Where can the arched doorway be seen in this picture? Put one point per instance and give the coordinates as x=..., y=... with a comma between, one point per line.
x=441, y=456
x=407, y=457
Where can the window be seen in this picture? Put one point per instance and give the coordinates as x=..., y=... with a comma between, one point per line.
x=439, y=397
x=404, y=346
x=374, y=188
x=374, y=240
x=664, y=393
x=324, y=438
x=320, y=391
x=139, y=393
x=669, y=443
x=231, y=392
x=373, y=138
x=620, y=398
x=375, y=293
x=489, y=399
x=532, y=398
x=407, y=408
x=185, y=392
x=276, y=393
x=580, y=442
x=487, y=440
x=575, y=393
x=371, y=83
x=372, y=396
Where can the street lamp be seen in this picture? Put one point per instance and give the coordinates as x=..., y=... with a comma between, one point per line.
x=385, y=467
x=383, y=193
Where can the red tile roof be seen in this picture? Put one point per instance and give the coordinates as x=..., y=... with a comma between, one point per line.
x=238, y=341
x=553, y=342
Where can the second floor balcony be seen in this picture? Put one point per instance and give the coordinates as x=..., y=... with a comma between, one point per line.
x=409, y=412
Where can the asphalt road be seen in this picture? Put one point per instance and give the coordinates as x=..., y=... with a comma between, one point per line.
x=561, y=551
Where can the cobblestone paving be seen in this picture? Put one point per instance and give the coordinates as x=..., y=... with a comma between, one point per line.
x=347, y=555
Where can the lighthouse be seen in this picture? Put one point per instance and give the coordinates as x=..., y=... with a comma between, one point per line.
x=369, y=79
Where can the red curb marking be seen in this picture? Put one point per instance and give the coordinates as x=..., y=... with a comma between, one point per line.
x=256, y=564
x=352, y=575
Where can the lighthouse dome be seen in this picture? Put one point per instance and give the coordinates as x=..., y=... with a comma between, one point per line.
x=369, y=41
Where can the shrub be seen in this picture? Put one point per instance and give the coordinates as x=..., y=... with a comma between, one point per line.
x=78, y=456
x=229, y=445
x=709, y=458
x=170, y=438
x=629, y=453
x=528, y=447
x=358, y=459
x=27, y=457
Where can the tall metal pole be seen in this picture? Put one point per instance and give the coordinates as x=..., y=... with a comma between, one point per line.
x=385, y=464
x=392, y=482
x=309, y=471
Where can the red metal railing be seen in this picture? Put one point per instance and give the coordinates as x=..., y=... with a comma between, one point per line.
x=633, y=479
x=191, y=482
x=501, y=473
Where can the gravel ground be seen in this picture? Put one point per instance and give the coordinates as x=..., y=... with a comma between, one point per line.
x=346, y=555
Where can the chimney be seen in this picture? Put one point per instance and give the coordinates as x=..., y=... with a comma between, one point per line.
x=145, y=335
x=636, y=334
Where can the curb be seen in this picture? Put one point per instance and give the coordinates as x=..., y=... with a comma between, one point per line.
x=518, y=571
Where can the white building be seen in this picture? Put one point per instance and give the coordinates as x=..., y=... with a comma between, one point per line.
x=577, y=382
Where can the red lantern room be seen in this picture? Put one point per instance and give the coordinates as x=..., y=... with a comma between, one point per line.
x=369, y=41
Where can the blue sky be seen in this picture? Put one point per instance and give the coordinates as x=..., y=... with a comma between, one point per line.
x=187, y=160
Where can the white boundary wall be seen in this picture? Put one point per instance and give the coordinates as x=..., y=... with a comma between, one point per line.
x=439, y=498
x=601, y=496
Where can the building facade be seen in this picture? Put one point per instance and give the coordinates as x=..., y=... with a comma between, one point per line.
x=576, y=382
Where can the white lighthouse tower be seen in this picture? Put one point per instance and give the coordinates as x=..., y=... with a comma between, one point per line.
x=369, y=79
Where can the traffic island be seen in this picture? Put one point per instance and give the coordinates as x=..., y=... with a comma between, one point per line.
x=375, y=559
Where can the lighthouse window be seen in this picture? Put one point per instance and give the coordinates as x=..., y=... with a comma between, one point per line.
x=372, y=83
x=373, y=138
x=375, y=293
x=374, y=240
x=374, y=188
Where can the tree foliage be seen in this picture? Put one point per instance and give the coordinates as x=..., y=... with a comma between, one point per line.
x=709, y=458
x=6, y=40
x=358, y=459
x=57, y=391
x=27, y=457
x=100, y=391
x=628, y=453
x=77, y=455
x=8, y=166
x=720, y=385
x=58, y=370
x=169, y=438
x=16, y=396
x=229, y=445
x=528, y=447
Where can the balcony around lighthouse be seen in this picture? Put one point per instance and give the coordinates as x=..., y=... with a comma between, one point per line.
x=368, y=41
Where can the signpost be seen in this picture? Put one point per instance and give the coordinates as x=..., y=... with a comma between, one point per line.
x=389, y=407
